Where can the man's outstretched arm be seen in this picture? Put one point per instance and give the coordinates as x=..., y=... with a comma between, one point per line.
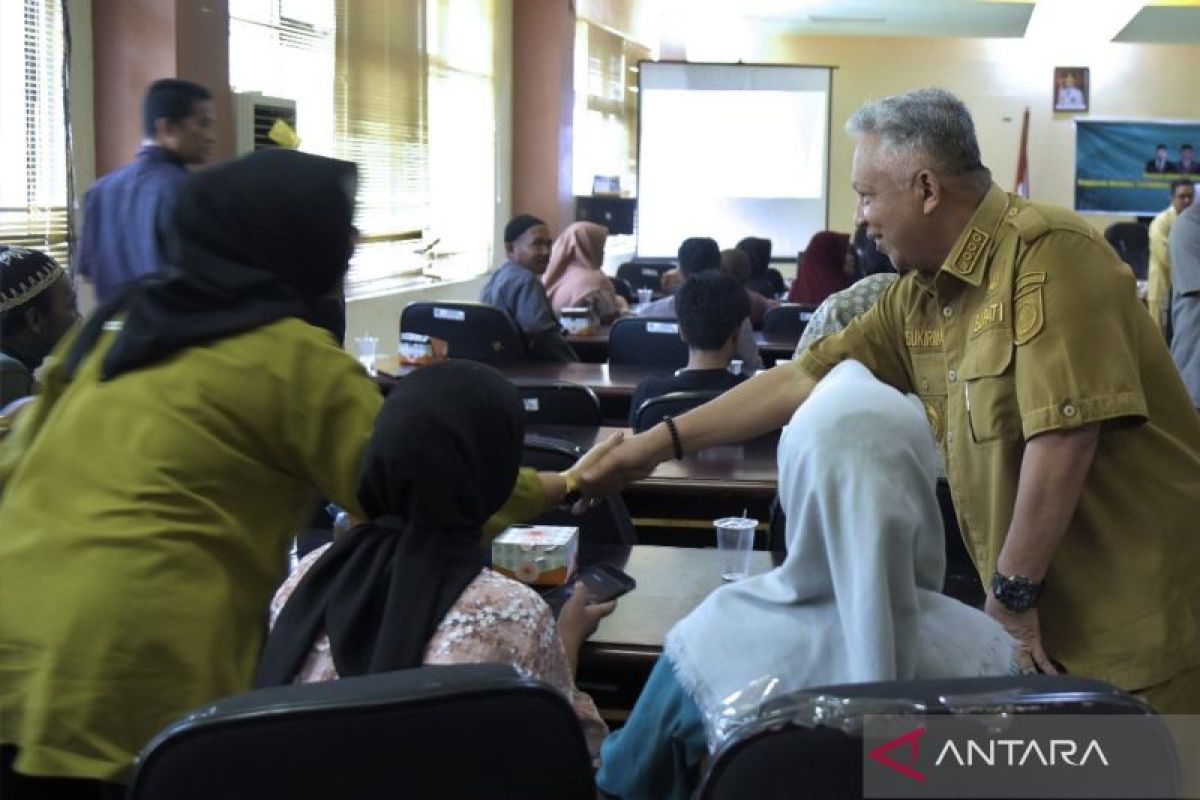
x=762, y=404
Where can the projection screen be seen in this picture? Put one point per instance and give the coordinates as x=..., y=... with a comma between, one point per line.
x=729, y=151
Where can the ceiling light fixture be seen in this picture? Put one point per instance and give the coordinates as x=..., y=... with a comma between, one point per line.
x=838, y=19
x=1095, y=22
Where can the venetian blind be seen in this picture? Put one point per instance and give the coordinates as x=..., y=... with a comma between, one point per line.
x=381, y=111
x=409, y=97
x=33, y=144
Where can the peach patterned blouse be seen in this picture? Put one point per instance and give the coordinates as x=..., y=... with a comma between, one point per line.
x=496, y=620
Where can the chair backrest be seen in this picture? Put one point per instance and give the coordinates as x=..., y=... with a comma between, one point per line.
x=644, y=274
x=1132, y=243
x=477, y=730
x=607, y=522
x=474, y=331
x=549, y=402
x=647, y=340
x=803, y=739
x=777, y=528
x=623, y=289
x=652, y=411
x=787, y=321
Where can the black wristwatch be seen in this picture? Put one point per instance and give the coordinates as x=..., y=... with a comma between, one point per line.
x=1016, y=593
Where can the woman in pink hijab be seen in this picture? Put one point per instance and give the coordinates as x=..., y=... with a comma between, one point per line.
x=828, y=266
x=574, y=277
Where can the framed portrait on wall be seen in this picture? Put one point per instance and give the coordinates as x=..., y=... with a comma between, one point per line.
x=1071, y=89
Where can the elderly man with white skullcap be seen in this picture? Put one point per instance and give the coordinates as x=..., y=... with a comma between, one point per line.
x=37, y=306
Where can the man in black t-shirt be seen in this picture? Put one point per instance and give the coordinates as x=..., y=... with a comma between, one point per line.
x=711, y=307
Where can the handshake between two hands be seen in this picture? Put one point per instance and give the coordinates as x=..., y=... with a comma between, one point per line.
x=612, y=464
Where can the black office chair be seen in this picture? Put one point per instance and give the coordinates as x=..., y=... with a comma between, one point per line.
x=644, y=274
x=647, y=340
x=608, y=522
x=1131, y=240
x=478, y=730
x=652, y=411
x=474, y=331
x=549, y=402
x=814, y=739
x=777, y=528
x=623, y=289
x=787, y=321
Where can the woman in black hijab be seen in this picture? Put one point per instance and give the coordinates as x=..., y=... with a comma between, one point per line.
x=764, y=279
x=409, y=586
x=195, y=420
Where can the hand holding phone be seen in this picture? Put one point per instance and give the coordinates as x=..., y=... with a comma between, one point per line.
x=602, y=581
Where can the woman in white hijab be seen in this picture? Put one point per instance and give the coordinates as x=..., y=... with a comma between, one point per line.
x=857, y=599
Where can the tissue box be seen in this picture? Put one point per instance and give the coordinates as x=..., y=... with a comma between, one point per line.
x=418, y=350
x=538, y=554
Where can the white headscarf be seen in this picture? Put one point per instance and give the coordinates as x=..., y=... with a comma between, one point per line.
x=858, y=597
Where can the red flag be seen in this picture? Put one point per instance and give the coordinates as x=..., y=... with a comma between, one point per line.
x=1021, y=186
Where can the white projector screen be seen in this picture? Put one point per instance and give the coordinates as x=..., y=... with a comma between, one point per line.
x=729, y=151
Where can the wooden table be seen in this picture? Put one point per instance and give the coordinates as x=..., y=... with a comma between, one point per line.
x=605, y=380
x=748, y=468
x=772, y=349
x=676, y=504
x=671, y=581
x=594, y=346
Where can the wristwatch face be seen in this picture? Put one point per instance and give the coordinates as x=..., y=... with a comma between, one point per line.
x=1015, y=593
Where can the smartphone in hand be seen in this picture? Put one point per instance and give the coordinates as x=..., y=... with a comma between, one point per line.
x=604, y=582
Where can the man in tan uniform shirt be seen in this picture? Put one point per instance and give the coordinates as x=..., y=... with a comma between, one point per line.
x=1158, y=280
x=1071, y=446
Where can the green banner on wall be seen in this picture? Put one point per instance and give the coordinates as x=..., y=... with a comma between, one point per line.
x=1126, y=167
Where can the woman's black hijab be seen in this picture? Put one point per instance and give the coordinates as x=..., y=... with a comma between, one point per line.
x=255, y=240
x=443, y=458
x=764, y=280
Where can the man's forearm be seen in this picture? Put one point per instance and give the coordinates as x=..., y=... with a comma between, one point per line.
x=1053, y=470
x=762, y=404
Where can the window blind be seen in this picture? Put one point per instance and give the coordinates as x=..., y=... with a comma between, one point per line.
x=33, y=145
x=406, y=91
x=606, y=107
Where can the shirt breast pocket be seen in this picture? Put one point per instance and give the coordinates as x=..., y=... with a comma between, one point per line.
x=989, y=390
x=929, y=373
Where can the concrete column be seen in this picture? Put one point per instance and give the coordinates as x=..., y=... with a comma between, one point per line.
x=543, y=105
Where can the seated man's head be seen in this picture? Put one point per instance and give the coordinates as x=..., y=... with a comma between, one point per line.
x=178, y=116
x=37, y=304
x=711, y=307
x=697, y=255
x=527, y=242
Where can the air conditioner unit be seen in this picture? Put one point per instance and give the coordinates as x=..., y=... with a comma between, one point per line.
x=253, y=116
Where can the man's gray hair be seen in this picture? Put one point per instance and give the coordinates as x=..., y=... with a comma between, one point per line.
x=928, y=122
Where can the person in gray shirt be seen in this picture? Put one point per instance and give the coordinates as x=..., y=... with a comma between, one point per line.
x=696, y=255
x=1185, y=299
x=516, y=288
